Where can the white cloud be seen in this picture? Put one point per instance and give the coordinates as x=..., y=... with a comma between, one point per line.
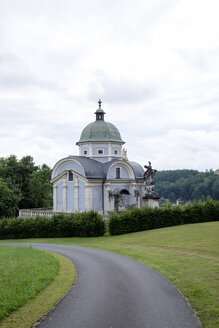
x=155, y=64
x=181, y=149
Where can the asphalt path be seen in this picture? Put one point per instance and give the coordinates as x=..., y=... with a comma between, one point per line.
x=112, y=291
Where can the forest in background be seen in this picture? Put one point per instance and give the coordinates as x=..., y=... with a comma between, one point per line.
x=26, y=185
x=186, y=185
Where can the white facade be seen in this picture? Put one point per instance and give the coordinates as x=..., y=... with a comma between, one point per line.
x=101, y=177
x=75, y=189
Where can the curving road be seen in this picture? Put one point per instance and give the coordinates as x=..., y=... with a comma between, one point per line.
x=113, y=291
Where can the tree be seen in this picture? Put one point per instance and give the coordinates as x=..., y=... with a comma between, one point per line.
x=26, y=168
x=8, y=201
x=28, y=182
x=40, y=187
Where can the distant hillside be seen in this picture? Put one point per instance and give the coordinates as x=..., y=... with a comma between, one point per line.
x=189, y=185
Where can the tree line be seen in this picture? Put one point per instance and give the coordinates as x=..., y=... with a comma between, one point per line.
x=26, y=185
x=187, y=185
x=23, y=185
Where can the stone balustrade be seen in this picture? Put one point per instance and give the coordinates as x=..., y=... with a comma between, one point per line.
x=34, y=212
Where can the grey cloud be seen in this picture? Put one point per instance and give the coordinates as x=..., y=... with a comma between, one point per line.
x=20, y=114
x=18, y=81
x=24, y=115
x=193, y=58
x=15, y=73
x=206, y=103
x=52, y=74
x=122, y=91
x=66, y=60
x=8, y=59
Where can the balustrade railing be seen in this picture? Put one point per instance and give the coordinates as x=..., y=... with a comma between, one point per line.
x=34, y=212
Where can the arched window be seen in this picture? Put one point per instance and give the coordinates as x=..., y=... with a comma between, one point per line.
x=117, y=172
x=70, y=176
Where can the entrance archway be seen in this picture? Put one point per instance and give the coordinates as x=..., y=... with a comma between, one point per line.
x=120, y=199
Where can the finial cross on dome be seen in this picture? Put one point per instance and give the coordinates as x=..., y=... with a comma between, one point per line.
x=99, y=102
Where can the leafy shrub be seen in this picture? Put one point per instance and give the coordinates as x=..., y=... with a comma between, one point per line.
x=148, y=218
x=87, y=224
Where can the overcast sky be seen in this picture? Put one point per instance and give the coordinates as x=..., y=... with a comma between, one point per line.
x=154, y=64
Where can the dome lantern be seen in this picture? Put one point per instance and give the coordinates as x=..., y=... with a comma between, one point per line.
x=99, y=112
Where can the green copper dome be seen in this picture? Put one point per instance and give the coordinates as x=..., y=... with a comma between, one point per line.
x=100, y=131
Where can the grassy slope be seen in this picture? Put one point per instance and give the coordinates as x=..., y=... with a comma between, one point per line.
x=32, y=311
x=24, y=273
x=187, y=255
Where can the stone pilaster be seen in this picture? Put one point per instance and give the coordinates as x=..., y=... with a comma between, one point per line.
x=112, y=203
x=64, y=194
x=55, y=197
x=107, y=198
x=132, y=189
x=143, y=189
x=110, y=151
x=88, y=197
x=138, y=201
x=90, y=150
x=76, y=195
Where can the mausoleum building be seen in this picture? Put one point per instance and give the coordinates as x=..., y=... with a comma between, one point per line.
x=101, y=178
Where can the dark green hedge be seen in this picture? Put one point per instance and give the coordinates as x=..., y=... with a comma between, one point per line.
x=91, y=224
x=146, y=218
x=86, y=224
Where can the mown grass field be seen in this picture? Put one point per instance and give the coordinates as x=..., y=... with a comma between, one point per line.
x=24, y=272
x=187, y=255
x=31, y=283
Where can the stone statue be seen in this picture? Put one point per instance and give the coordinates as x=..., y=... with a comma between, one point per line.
x=149, y=180
x=124, y=154
x=149, y=174
x=120, y=203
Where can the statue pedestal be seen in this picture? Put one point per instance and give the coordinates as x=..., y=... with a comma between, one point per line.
x=150, y=201
x=150, y=198
x=121, y=208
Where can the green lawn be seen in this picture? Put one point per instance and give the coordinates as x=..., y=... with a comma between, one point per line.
x=24, y=272
x=30, y=285
x=187, y=255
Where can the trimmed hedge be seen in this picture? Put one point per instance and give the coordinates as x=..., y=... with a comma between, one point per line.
x=86, y=224
x=148, y=218
x=91, y=224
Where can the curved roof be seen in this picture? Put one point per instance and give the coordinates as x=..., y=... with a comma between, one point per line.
x=138, y=170
x=100, y=131
x=97, y=170
x=93, y=169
